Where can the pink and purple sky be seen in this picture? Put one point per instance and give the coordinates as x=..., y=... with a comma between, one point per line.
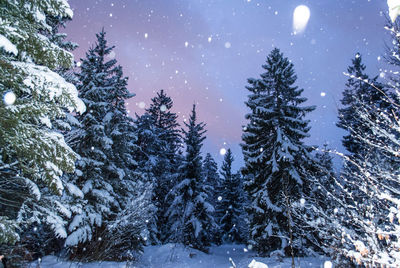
x=203, y=51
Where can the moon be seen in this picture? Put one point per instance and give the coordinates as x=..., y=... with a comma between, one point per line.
x=301, y=15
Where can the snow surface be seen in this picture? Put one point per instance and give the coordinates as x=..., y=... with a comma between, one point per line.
x=175, y=255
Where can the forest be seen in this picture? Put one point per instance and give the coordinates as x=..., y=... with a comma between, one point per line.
x=82, y=179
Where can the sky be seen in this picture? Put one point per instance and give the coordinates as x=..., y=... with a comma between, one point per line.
x=203, y=51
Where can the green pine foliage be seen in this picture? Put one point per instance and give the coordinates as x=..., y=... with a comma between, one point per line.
x=358, y=93
x=106, y=173
x=232, y=222
x=33, y=155
x=213, y=181
x=190, y=214
x=163, y=158
x=274, y=155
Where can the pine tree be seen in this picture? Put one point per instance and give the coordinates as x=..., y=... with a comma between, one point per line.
x=132, y=187
x=231, y=223
x=149, y=146
x=274, y=155
x=213, y=181
x=315, y=214
x=33, y=155
x=358, y=92
x=190, y=213
x=106, y=171
x=165, y=158
x=212, y=178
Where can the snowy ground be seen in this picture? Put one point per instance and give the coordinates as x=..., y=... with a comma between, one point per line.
x=172, y=255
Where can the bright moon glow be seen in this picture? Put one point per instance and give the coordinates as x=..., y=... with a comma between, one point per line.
x=323, y=94
x=222, y=151
x=163, y=108
x=9, y=98
x=301, y=15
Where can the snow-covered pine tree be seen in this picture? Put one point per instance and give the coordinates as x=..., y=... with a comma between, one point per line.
x=33, y=155
x=39, y=239
x=315, y=215
x=165, y=157
x=190, y=216
x=231, y=222
x=274, y=155
x=370, y=226
x=149, y=145
x=132, y=187
x=327, y=179
x=213, y=180
x=106, y=170
x=356, y=93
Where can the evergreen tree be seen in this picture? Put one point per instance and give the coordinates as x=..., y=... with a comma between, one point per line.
x=315, y=214
x=358, y=91
x=212, y=178
x=132, y=187
x=106, y=171
x=165, y=159
x=33, y=155
x=275, y=155
x=190, y=214
x=231, y=223
x=149, y=146
x=213, y=181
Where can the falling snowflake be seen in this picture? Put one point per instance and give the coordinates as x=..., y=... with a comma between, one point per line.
x=142, y=104
x=222, y=151
x=9, y=98
x=328, y=264
x=227, y=45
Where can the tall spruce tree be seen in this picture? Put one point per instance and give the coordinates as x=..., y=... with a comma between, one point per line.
x=274, y=155
x=190, y=214
x=231, y=222
x=131, y=185
x=106, y=171
x=359, y=92
x=213, y=181
x=165, y=157
x=211, y=177
x=33, y=155
x=149, y=145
